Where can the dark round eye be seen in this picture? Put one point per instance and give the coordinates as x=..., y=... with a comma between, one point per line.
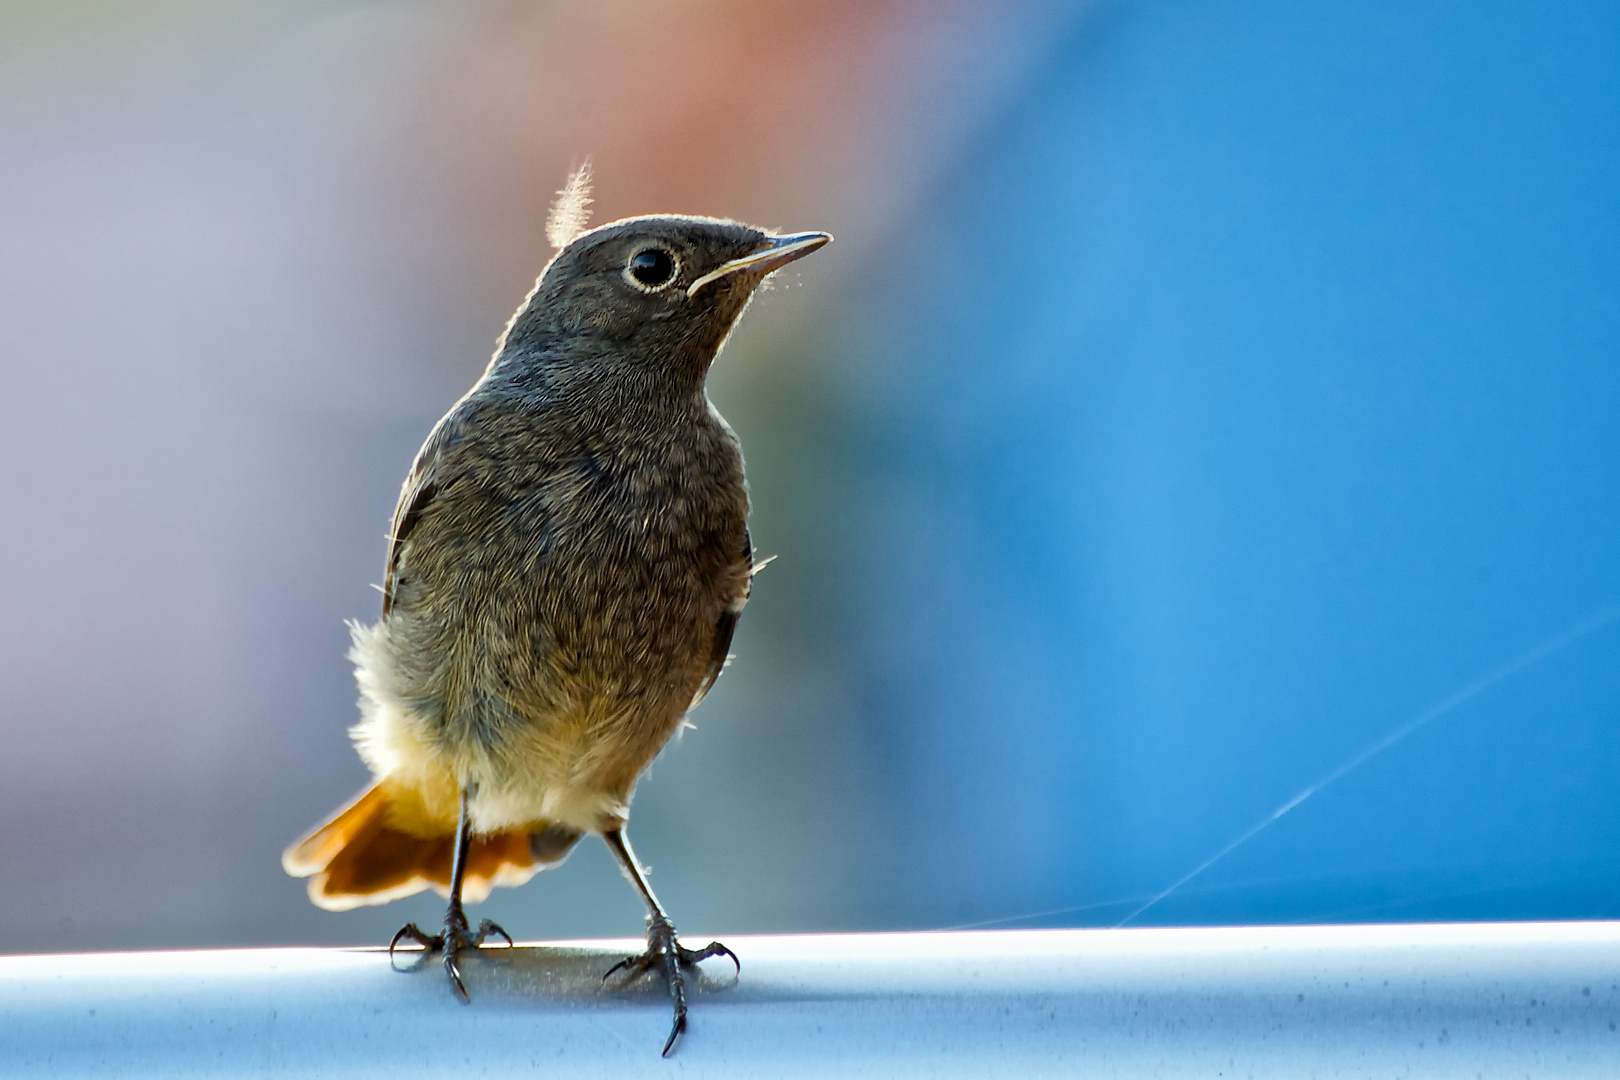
x=652, y=268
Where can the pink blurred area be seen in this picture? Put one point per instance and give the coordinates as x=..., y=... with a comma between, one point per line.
x=248, y=253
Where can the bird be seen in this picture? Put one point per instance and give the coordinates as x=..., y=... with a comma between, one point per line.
x=566, y=566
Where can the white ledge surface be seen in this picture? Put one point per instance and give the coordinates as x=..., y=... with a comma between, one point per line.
x=1464, y=1000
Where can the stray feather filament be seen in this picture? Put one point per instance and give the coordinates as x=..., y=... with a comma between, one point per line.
x=572, y=211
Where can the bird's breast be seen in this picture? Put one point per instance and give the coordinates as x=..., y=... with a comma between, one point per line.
x=552, y=627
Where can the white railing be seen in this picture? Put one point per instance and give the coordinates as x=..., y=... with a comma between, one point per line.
x=1456, y=1000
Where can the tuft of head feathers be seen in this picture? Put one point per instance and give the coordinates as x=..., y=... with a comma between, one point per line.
x=572, y=210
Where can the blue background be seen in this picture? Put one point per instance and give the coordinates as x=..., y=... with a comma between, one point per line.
x=1249, y=388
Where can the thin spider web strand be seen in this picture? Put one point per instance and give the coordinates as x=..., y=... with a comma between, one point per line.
x=1070, y=910
x=1591, y=624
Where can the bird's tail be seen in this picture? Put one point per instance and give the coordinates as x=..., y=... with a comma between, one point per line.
x=362, y=857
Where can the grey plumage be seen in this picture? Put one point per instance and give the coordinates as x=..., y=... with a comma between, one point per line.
x=568, y=560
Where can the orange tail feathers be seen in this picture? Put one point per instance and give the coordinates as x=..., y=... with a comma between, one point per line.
x=360, y=858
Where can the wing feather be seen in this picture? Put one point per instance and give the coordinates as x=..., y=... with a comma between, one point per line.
x=725, y=627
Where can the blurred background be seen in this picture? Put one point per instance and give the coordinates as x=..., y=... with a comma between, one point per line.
x=1197, y=395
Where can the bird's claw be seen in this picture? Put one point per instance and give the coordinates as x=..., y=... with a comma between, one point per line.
x=456, y=937
x=488, y=928
x=665, y=951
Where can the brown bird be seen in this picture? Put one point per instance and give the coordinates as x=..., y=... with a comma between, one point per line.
x=567, y=563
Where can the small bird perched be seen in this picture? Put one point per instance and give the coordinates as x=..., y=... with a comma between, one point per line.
x=567, y=563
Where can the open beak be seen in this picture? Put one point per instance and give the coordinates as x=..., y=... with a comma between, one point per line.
x=775, y=252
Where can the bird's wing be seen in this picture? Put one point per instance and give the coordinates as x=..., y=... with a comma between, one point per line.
x=723, y=630
x=420, y=487
x=725, y=627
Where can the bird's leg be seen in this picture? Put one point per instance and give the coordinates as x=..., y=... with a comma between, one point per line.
x=456, y=936
x=664, y=950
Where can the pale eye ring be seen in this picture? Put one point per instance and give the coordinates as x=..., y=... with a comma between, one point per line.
x=651, y=269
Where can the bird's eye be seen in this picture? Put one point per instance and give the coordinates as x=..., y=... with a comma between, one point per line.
x=651, y=268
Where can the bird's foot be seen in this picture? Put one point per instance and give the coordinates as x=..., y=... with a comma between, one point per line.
x=666, y=953
x=456, y=937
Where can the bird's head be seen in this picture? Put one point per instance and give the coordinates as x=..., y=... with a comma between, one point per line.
x=649, y=295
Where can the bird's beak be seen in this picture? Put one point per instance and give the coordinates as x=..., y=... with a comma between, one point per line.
x=775, y=252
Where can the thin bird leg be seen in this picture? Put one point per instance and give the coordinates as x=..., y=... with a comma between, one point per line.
x=664, y=950
x=456, y=936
